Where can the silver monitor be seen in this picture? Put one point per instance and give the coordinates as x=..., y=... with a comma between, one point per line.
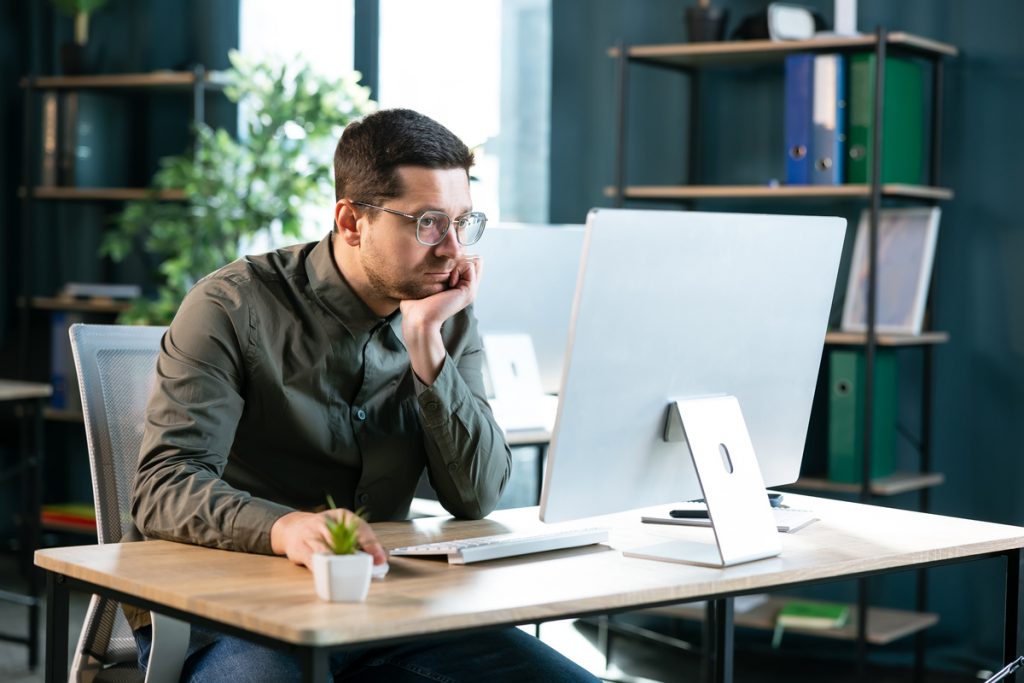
x=527, y=287
x=674, y=305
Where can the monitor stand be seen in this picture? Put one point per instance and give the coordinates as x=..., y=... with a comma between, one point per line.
x=718, y=442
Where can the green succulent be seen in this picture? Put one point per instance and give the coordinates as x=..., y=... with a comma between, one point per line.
x=236, y=189
x=344, y=532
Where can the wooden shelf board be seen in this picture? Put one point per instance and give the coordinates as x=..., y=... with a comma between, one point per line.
x=778, y=192
x=900, y=482
x=94, y=305
x=14, y=390
x=884, y=625
x=884, y=339
x=749, y=51
x=62, y=415
x=102, y=193
x=172, y=80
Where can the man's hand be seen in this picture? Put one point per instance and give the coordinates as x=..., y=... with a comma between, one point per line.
x=422, y=318
x=299, y=535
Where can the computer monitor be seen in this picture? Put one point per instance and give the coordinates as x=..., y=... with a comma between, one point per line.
x=528, y=286
x=674, y=305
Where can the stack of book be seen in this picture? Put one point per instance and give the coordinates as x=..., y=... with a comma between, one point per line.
x=803, y=614
x=829, y=119
x=74, y=517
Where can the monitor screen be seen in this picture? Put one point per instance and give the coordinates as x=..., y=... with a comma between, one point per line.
x=673, y=305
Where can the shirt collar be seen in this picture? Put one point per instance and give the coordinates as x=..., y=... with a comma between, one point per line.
x=334, y=292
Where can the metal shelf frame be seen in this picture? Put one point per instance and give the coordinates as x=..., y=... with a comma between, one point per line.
x=690, y=59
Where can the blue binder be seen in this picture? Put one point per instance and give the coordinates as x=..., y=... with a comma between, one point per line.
x=799, y=93
x=828, y=141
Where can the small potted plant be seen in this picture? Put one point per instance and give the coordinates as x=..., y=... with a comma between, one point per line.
x=344, y=574
x=72, y=54
x=705, y=23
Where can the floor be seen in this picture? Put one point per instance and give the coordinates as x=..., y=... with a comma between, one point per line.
x=634, y=660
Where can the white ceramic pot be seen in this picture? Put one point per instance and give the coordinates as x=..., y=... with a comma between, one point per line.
x=342, y=578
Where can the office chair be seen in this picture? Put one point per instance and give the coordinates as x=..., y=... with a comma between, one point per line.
x=116, y=369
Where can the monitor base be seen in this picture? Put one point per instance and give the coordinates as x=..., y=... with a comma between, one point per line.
x=689, y=552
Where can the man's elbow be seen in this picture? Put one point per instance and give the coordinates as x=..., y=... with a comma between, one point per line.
x=142, y=505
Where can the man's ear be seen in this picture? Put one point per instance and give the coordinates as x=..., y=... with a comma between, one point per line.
x=347, y=223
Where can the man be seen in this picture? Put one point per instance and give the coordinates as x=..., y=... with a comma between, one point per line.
x=343, y=367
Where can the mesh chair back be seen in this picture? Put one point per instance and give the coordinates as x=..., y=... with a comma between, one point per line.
x=116, y=369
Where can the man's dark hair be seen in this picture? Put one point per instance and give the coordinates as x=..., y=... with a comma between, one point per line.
x=370, y=150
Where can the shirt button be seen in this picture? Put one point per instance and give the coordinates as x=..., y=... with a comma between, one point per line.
x=360, y=414
x=432, y=405
x=452, y=466
x=364, y=498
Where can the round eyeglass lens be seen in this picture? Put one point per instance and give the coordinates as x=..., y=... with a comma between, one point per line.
x=471, y=228
x=431, y=227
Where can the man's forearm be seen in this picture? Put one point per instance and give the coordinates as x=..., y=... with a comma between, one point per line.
x=468, y=459
x=426, y=350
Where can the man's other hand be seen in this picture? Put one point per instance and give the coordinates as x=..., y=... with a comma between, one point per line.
x=298, y=535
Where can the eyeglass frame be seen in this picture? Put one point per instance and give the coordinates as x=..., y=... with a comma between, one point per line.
x=451, y=222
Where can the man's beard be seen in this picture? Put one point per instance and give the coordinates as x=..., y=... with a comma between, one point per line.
x=400, y=289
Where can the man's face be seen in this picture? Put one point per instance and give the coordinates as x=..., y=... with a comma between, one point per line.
x=398, y=267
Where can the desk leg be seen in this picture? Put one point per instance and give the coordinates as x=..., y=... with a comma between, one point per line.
x=1011, y=621
x=56, y=629
x=35, y=497
x=722, y=641
x=314, y=663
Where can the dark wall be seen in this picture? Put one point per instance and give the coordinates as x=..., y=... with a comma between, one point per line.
x=978, y=395
x=127, y=132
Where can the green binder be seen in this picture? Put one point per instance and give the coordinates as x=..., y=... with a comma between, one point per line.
x=903, y=116
x=846, y=415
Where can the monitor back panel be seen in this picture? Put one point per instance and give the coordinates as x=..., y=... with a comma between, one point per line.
x=673, y=304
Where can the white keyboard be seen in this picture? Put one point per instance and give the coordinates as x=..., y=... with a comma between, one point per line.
x=505, y=545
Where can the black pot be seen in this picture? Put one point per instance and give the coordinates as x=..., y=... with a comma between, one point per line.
x=72, y=59
x=705, y=23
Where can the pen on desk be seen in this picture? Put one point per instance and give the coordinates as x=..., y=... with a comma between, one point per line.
x=688, y=514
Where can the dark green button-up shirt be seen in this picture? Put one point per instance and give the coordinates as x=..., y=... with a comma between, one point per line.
x=277, y=385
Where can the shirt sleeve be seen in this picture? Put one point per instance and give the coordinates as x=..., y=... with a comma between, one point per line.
x=468, y=460
x=190, y=426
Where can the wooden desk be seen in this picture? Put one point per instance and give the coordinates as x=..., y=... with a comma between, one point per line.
x=31, y=398
x=269, y=600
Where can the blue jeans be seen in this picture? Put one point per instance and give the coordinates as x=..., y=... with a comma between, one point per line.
x=507, y=655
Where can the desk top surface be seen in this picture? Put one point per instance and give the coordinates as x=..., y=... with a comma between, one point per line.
x=13, y=390
x=272, y=597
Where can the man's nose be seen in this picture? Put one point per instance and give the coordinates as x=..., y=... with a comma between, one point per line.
x=449, y=246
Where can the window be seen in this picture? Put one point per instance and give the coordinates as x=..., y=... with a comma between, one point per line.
x=321, y=32
x=481, y=68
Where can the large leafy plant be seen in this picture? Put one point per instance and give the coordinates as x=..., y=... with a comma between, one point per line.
x=236, y=189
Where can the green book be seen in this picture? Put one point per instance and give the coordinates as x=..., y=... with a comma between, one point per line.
x=847, y=374
x=903, y=120
x=809, y=615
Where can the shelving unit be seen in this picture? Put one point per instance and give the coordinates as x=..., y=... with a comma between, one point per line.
x=690, y=59
x=194, y=85
x=884, y=625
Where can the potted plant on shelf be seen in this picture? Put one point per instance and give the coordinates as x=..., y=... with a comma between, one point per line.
x=261, y=184
x=344, y=574
x=72, y=55
x=705, y=22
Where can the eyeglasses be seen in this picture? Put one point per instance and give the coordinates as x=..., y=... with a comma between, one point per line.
x=432, y=226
